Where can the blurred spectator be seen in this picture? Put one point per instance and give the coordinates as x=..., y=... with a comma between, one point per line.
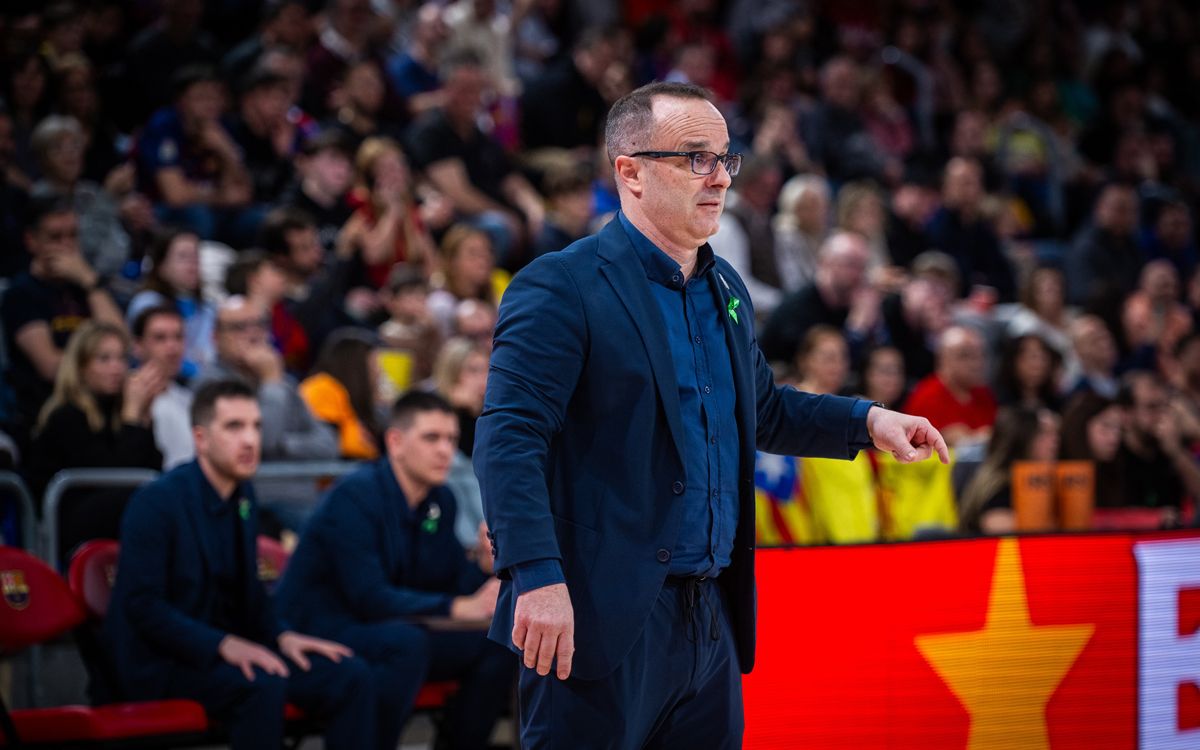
x=1043, y=309
x=189, y=165
x=1156, y=469
x=484, y=27
x=835, y=133
x=314, y=290
x=960, y=229
x=343, y=389
x=468, y=271
x=1153, y=318
x=172, y=43
x=1093, y=361
x=913, y=205
x=823, y=361
x=860, y=209
x=357, y=103
x=469, y=166
x=158, y=340
x=568, y=210
x=915, y=317
x=46, y=304
x=745, y=237
x=1091, y=431
x=174, y=278
x=14, y=199
x=266, y=138
x=414, y=71
x=58, y=144
x=1021, y=434
x=344, y=39
x=98, y=416
x=886, y=120
x=104, y=148
x=1104, y=261
x=261, y=281
x=27, y=94
x=387, y=227
x=956, y=398
x=1029, y=373
x=882, y=379
x=410, y=327
x=285, y=23
x=1171, y=238
x=475, y=320
x=460, y=375
x=838, y=296
x=564, y=106
x=289, y=429
x=324, y=174
x=801, y=225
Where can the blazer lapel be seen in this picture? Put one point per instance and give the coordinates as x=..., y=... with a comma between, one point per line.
x=624, y=271
x=736, y=320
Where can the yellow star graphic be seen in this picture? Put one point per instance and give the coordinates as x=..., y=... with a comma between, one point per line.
x=1005, y=673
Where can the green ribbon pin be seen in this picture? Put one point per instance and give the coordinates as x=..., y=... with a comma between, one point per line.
x=732, y=307
x=430, y=524
x=244, y=509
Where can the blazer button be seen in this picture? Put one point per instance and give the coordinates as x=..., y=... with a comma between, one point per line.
x=677, y=488
x=663, y=556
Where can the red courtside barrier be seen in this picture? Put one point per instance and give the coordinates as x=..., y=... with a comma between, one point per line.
x=1072, y=642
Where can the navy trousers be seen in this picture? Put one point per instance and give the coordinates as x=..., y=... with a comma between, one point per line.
x=341, y=694
x=404, y=656
x=679, y=687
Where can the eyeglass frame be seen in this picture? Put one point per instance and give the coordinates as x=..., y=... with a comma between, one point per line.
x=693, y=155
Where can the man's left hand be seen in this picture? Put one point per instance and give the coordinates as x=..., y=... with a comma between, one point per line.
x=906, y=437
x=294, y=646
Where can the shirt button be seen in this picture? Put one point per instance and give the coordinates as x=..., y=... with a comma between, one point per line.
x=663, y=555
x=708, y=389
x=676, y=279
x=677, y=488
x=698, y=339
x=715, y=493
x=713, y=440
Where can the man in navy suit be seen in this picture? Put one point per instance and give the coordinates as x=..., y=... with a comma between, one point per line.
x=626, y=398
x=189, y=617
x=380, y=569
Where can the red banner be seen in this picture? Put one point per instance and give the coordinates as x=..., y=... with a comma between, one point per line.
x=1038, y=643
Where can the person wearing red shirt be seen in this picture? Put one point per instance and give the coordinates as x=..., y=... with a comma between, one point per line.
x=956, y=398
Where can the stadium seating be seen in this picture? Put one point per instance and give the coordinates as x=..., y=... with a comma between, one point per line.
x=38, y=607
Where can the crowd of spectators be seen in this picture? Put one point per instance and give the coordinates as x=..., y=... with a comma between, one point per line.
x=981, y=213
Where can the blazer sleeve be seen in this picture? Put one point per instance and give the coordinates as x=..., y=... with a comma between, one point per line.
x=146, y=531
x=360, y=570
x=539, y=352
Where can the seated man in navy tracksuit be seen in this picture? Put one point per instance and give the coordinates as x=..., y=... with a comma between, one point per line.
x=379, y=567
x=189, y=617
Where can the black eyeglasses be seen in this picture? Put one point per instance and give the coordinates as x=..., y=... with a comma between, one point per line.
x=703, y=162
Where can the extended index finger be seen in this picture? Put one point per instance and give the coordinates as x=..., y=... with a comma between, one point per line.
x=939, y=445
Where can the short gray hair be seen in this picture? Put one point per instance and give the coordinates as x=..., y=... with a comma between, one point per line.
x=50, y=131
x=631, y=118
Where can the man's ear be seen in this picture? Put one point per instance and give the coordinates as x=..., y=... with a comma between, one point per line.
x=629, y=173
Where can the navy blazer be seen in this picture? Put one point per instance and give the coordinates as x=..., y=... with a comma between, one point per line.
x=156, y=618
x=360, y=561
x=578, y=448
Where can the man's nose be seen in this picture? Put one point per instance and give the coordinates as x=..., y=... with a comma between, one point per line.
x=720, y=176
